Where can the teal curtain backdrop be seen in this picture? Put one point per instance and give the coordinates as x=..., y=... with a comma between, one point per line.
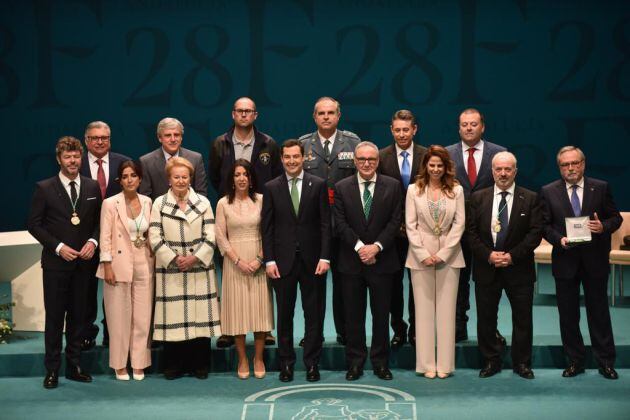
x=545, y=74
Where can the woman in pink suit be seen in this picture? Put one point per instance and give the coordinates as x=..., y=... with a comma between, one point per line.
x=435, y=220
x=127, y=268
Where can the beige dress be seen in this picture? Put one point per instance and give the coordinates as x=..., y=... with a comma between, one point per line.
x=246, y=300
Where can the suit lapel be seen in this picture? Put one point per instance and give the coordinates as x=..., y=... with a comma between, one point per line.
x=392, y=162
x=517, y=206
x=486, y=220
x=122, y=213
x=285, y=191
x=587, y=197
x=564, y=198
x=307, y=188
x=462, y=175
x=63, y=195
x=379, y=191
x=417, y=159
x=425, y=208
x=484, y=171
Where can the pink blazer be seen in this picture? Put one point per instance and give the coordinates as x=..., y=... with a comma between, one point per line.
x=422, y=240
x=115, y=240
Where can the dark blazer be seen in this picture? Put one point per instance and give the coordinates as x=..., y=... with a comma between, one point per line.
x=115, y=160
x=154, y=181
x=265, y=161
x=556, y=206
x=523, y=235
x=484, y=172
x=49, y=220
x=283, y=232
x=381, y=226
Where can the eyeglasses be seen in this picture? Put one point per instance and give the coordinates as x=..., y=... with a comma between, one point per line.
x=568, y=164
x=104, y=139
x=245, y=112
x=363, y=161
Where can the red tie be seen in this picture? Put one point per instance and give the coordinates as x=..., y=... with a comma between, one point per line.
x=472, y=167
x=100, y=177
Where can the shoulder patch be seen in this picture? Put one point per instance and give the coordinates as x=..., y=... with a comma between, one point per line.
x=350, y=134
x=305, y=137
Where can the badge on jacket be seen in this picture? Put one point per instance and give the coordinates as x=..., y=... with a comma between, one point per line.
x=265, y=158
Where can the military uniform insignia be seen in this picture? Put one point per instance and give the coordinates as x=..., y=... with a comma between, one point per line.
x=345, y=155
x=309, y=156
x=265, y=158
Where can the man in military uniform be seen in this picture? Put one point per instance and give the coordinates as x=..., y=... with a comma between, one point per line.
x=329, y=154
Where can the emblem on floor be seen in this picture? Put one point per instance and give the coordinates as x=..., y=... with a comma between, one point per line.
x=330, y=401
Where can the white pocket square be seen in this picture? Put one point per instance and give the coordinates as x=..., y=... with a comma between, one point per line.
x=91, y=198
x=523, y=214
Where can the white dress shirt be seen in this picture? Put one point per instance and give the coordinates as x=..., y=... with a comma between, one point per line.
x=94, y=166
x=579, y=191
x=495, y=208
x=331, y=139
x=477, y=155
x=371, y=188
x=409, y=159
x=167, y=155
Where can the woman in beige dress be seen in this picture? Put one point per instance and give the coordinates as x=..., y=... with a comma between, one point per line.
x=127, y=268
x=435, y=220
x=246, y=302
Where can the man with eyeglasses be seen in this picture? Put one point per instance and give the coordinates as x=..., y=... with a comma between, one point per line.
x=368, y=213
x=170, y=133
x=573, y=263
x=329, y=154
x=243, y=141
x=100, y=164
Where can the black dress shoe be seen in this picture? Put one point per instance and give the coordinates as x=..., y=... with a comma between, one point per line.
x=490, y=369
x=384, y=373
x=74, y=373
x=225, y=341
x=301, y=344
x=398, y=341
x=341, y=339
x=312, y=373
x=574, y=369
x=608, y=372
x=524, y=371
x=87, y=344
x=51, y=380
x=170, y=374
x=354, y=373
x=461, y=334
x=270, y=340
x=500, y=338
x=286, y=374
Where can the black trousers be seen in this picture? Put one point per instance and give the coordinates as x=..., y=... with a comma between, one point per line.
x=397, y=306
x=311, y=287
x=521, y=296
x=337, y=295
x=187, y=356
x=355, y=291
x=65, y=297
x=597, y=315
x=463, y=291
x=91, y=329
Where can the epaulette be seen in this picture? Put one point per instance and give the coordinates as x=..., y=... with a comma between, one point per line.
x=350, y=134
x=305, y=137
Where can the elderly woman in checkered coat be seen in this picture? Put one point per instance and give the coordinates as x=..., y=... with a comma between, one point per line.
x=186, y=302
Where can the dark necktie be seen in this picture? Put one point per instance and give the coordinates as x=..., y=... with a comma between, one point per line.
x=367, y=199
x=405, y=170
x=327, y=150
x=73, y=192
x=575, y=202
x=503, y=220
x=472, y=167
x=100, y=177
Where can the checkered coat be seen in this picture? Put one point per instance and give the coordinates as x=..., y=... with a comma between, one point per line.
x=186, y=303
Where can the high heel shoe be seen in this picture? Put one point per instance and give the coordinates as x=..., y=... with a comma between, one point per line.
x=242, y=374
x=122, y=376
x=429, y=375
x=138, y=376
x=443, y=375
x=259, y=374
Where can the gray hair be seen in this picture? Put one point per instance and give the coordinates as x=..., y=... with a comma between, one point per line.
x=366, y=144
x=326, y=98
x=570, y=149
x=169, y=123
x=504, y=155
x=97, y=124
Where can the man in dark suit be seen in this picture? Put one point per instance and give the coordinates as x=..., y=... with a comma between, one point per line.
x=401, y=161
x=100, y=164
x=296, y=245
x=64, y=218
x=587, y=263
x=504, y=226
x=243, y=141
x=170, y=133
x=368, y=213
x=472, y=156
x=329, y=155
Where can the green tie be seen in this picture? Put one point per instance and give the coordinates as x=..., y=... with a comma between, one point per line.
x=367, y=199
x=295, y=196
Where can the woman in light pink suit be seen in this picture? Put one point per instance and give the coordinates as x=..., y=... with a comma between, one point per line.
x=127, y=268
x=435, y=220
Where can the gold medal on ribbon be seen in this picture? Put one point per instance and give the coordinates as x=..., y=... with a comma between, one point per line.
x=437, y=231
x=497, y=226
x=139, y=242
x=75, y=219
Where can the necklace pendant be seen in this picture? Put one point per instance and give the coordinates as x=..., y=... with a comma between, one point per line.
x=139, y=242
x=437, y=231
x=75, y=219
x=497, y=227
